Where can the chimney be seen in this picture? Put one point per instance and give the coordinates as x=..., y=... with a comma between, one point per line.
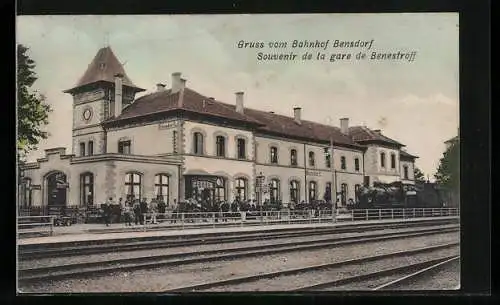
x=182, y=86
x=118, y=94
x=160, y=87
x=344, y=125
x=239, y=102
x=176, y=82
x=296, y=114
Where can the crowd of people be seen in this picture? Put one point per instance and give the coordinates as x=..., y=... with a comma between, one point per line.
x=137, y=211
x=132, y=210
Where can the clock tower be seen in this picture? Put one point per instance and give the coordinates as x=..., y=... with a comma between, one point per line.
x=94, y=101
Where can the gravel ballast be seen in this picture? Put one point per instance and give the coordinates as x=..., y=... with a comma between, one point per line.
x=444, y=278
x=100, y=257
x=164, y=278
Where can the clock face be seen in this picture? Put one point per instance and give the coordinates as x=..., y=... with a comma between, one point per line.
x=87, y=114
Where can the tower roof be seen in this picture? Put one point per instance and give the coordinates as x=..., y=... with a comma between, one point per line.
x=103, y=68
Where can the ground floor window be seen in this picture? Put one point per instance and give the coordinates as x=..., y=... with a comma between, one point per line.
x=241, y=188
x=86, y=189
x=133, y=185
x=294, y=191
x=274, y=190
x=56, y=189
x=343, y=193
x=356, y=192
x=162, y=187
x=312, y=191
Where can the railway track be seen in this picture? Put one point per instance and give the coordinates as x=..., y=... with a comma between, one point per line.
x=176, y=259
x=66, y=249
x=438, y=264
x=232, y=284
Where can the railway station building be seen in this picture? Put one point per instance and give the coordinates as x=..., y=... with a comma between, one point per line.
x=176, y=143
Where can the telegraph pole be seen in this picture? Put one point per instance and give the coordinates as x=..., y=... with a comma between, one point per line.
x=260, y=180
x=333, y=186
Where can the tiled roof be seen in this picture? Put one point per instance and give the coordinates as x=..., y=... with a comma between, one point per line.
x=193, y=101
x=104, y=67
x=404, y=154
x=280, y=124
x=363, y=134
x=165, y=101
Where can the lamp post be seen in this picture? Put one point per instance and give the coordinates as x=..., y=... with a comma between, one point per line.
x=259, y=182
x=333, y=185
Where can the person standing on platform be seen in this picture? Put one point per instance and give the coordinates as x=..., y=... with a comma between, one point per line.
x=107, y=211
x=144, y=209
x=153, y=207
x=137, y=211
x=128, y=213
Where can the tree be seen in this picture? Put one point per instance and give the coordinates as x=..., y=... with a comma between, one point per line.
x=448, y=172
x=32, y=111
x=418, y=174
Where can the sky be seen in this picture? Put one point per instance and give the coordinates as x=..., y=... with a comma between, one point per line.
x=416, y=103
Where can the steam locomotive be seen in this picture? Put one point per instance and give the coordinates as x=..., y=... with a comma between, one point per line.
x=399, y=195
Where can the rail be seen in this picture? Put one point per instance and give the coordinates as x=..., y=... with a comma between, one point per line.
x=35, y=225
x=215, y=219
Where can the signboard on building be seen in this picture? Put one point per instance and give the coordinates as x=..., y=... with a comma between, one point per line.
x=313, y=173
x=35, y=187
x=168, y=124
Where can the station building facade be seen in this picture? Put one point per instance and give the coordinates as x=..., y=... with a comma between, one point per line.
x=177, y=144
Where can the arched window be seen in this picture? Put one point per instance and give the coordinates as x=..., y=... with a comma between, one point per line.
x=220, y=144
x=343, y=193
x=241, y=188
x=57, y=189
x=356, y=192
x=405, y=172
x=328, y=192
x=312, y=191
x=311, y=159
x=393, y=161
x=241, y=149
x=133, y=185
x=197, y=143
x=356, y=164
x=294, y=191
x=293, y=157
x=274, y=192
x=27, y=200
x=343, y=164
x=162, y=187
x=382, y=159
x=86, y=189
x=274, y=154
x=220, y=189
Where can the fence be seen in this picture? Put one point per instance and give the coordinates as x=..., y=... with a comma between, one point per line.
x=215, y=219
x=35, y=225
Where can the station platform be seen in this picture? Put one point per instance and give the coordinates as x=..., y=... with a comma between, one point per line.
x=89, y=232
